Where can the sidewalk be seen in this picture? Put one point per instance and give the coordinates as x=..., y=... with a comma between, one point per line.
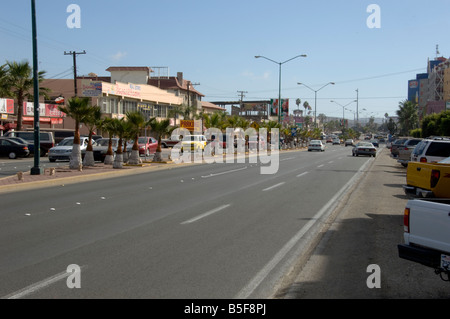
x=366, y=231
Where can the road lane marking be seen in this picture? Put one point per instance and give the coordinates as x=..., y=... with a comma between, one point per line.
x=325, y=211
x=226, y=172
x=272, y=187
x=330, y=162
x=320, y=166
x=287, y=159
x=213, y=211
x=302, y=174
x=39, y=285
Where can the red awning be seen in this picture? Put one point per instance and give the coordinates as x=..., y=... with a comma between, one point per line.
x=10, y=126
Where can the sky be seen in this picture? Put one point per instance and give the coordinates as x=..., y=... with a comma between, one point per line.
x=214, y=44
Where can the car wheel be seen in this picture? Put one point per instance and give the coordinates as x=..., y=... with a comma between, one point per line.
x=52, y=160
x=12, y=155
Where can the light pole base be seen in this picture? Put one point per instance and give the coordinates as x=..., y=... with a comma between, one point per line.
x=37, y=171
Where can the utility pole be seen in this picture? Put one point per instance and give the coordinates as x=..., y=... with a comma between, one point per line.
x=74, y=54
x=241, y=101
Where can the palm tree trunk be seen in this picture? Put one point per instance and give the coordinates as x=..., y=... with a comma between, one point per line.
x=134, y=158
x=75, y=157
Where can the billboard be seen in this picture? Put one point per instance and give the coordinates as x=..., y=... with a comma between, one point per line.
x=284, y=107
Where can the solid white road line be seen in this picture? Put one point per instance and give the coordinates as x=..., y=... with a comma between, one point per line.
x=320, y=166
x=213, y=211
x=281, y=254
x=272, y=187
x=39, y=285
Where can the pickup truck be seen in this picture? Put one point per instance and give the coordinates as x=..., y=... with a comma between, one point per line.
x=428, y=179
x=426, y=234
x=169, y=142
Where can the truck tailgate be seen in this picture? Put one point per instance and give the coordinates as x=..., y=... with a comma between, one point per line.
x=429, y=224
x=418, y=175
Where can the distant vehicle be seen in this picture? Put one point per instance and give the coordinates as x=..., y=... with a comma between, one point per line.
x=349, y=142
x=316, y=145
x=375, y=143
x=13, y=149
x=193, y=143
x=405, y=151
x=102, y=145
x=336, y=141
x=147, y=145
x=46, y=139
x=170, y=142
x=329, y=139
x=63, y=150
x=396, y=144
x=364, y=148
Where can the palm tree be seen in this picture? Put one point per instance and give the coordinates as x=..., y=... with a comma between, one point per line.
x=137, y=122
x=92, y=122
x=119, y=128
x=19, y=83
x=408, y=117
x=160, y=128
x=78, y=109
x=108, y=125
x=4, y=90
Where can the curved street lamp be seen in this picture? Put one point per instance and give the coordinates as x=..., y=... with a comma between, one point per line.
x=279, y=80
x=315, y=99
x=343, y=108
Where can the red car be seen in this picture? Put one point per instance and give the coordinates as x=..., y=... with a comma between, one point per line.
x=147, y=145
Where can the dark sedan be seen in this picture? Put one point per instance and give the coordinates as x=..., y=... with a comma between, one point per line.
x=13, y=149
x=364, y=148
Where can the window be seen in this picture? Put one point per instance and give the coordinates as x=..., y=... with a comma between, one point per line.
x=439, y=149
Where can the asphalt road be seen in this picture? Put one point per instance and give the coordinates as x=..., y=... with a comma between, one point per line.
x=195, y=231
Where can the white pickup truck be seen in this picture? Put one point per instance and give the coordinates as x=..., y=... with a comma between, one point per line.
x=427, y=234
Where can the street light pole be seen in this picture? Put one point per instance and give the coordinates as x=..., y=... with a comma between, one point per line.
x=315, y=99
x=343, y=108
x=279, y=81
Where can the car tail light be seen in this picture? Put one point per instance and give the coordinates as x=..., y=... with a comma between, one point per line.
x=423, y=159
x=25, y=147
x=435, y=175
x=406, y=148
x=406, y=220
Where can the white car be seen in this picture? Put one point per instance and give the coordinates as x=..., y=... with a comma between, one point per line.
x=63, y=149
x=316, y=145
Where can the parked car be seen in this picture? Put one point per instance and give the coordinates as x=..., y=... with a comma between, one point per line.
x=431, y=150
x=349, y=142
x=101, y=147
x=396, y=144
x=316, y=145
x=364, y=148
x=405, y=150
x=63, y=150
x=193, y=143
x=13, y=149
x=147, y=145
x=46, y=139
x=20, y=141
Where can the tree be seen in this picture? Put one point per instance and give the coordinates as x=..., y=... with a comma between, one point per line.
x=4, y=90
x=92, y=122
x=119, y=128
x=78, y=109
x=175, y=111
x=108, y=125
x=408, y=117
x=137, y=123
x=160, y=128
x=19, y=82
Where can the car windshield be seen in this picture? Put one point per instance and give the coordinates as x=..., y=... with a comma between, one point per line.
x=66, y=142
x=142, y=140
x=105, y=142
x=365, y=144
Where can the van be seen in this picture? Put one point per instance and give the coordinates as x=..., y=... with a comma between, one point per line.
x=47, y=140
x=431, y=150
